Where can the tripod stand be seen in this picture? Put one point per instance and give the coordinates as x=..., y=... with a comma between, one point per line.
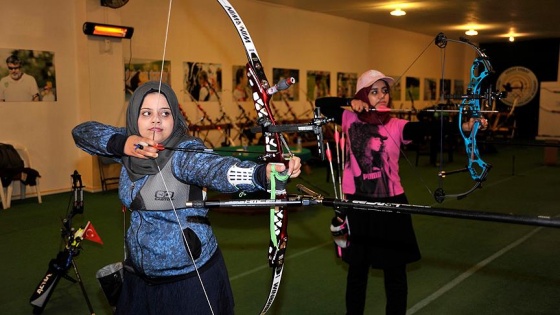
x=59, y=266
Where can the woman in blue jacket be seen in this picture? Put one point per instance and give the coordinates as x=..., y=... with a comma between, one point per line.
x=174, y=265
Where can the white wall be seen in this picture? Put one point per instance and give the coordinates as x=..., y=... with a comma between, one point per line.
x=89, y=71
x=44, y=128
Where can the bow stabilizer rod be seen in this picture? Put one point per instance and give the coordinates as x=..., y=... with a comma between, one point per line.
x=358, y=205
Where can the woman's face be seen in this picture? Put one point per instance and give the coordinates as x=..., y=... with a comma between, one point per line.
x=155, y=120
x=379, y=95
x=374, y=144
x=243, y=79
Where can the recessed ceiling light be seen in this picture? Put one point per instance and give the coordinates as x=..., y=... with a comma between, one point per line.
x=398, y=12
x=471, y=33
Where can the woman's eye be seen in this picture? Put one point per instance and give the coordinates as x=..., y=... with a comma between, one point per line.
x=166, y=113
x=376, y=92
x=145, y=113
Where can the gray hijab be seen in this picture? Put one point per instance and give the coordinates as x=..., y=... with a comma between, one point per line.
x=138, y=168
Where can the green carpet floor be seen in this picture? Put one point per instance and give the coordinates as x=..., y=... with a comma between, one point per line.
x=468, y=266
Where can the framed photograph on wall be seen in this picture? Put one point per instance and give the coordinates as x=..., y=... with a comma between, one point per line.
x=430, y=89
x=346, y=84
x=203, y=81
x=291, y=93
x=412, y=89
x=396, y=89
x=240, y=84
x=140, y=71
x=27, y=75
x=458, y=87
x=318, y=84
x=444, y=87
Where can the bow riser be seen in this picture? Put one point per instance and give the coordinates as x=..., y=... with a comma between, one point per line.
x=480, y=69
x=259, y=84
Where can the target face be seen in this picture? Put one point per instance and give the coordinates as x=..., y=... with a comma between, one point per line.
x=520, y=83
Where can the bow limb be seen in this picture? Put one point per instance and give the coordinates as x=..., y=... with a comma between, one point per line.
x=262, y=94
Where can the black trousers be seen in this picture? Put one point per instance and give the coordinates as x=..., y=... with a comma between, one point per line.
x=396, y=289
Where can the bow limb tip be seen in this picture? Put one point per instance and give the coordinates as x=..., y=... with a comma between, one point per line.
x=439, y=195
x=441, y=40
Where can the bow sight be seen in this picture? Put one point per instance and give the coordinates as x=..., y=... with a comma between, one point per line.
x=315, y=126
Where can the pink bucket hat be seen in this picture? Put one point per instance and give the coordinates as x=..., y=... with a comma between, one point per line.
x=370, y=77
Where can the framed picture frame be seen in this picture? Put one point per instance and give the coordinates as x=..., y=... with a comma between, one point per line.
x=396, y=89
x=38, y=69
x=318, y=84
x=346, y=84
x=203, y=81
x=241, y=90
x=291, y=93
x=139, y=71
x=458, y=87
x=430, y=89
x=444, y=87
x=412, y=89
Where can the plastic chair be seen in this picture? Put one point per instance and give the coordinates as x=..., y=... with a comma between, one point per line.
x=29, y=177
x=3, y=198
x=104, y=165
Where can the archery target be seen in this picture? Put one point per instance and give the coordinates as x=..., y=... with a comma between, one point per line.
x=520, y=83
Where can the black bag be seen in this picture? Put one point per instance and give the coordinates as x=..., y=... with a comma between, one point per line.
x=11, y=163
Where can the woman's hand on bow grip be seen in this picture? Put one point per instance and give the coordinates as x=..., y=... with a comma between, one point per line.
x=294, y=167
x=468, y=125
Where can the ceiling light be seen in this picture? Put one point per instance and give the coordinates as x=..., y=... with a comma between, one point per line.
x=511, y=34
x=398, y=12
x=471, y=32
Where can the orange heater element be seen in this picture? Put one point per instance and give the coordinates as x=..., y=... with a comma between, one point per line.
x=107, y=30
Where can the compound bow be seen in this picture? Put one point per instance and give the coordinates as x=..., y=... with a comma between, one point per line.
x=470, y=106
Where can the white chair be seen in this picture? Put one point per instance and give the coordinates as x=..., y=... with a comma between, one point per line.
x=3, y=197
x=24, y=154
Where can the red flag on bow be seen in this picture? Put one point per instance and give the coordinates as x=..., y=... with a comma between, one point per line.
x=90, y=234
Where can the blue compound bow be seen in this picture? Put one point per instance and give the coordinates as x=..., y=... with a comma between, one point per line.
x=470, y=107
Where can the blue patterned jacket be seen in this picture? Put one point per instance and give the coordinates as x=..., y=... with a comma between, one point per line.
x=154, y=239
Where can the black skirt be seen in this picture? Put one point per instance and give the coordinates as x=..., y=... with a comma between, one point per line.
x=381, y=239
x=184, y=295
